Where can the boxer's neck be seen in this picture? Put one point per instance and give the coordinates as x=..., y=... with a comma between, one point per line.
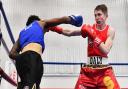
x=100, y=27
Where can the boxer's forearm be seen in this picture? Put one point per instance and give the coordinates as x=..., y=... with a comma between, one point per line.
x=69, y=32
x=15, y=50
x=56, y=21
x=66, y=32
x=106, y=47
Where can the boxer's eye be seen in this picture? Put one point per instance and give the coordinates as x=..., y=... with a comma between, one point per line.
x=98, y=14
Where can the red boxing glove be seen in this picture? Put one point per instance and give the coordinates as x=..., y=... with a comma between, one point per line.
x=97, y=41
x=56, y=29
x=83, y=31
x=92, y=34
x=88, y=30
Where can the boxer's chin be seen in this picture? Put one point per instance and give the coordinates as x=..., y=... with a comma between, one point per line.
x=99, y=22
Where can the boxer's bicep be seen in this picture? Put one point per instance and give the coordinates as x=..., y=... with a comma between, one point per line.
x=109, y=43
x=111, y=36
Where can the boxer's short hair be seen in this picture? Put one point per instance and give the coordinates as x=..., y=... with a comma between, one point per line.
x=103, y=8
x=31, y=19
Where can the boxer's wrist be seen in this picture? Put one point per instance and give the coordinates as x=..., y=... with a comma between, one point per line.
x=83, y=31
x=56, y=29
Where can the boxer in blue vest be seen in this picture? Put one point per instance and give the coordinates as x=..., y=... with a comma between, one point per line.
x=30, y=45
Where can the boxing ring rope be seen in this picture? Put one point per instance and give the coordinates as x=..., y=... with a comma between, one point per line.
x=2, y=73
x=6, y=77
x=6, y=22
x=80, y=64
x=8, y=29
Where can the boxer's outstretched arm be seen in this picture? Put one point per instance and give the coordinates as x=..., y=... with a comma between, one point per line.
x=73, y=20
x=66, y=32
x=15, y=50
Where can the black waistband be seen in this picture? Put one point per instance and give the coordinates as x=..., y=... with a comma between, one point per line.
x=96, y=66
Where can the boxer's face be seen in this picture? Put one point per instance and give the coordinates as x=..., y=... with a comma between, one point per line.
x=100, y=17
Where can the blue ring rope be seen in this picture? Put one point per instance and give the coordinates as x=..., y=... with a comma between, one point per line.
x=79, y=63
x=6, y=23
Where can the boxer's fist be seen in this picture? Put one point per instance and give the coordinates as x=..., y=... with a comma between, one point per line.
x=56, y=29
x=76, y=20
x=87, y=29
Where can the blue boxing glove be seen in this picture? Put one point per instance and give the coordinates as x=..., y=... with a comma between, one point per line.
x=76, y=20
